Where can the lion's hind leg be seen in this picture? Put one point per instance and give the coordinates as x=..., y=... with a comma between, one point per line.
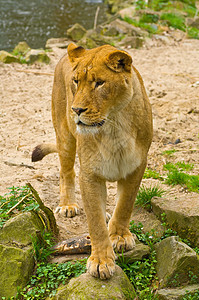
x=67, y=150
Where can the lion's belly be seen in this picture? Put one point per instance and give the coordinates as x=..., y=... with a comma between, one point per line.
x=118, y=160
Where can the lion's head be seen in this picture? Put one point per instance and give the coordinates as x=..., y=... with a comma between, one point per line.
x=100, y=83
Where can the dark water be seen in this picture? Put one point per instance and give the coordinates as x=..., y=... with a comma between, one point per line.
x=36, y=21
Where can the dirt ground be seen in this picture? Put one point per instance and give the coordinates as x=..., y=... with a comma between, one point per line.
x=169, y=73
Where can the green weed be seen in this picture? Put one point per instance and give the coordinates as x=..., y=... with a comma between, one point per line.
x=145, y=195
x=42, y=246
x=48, y=277
x=191, y=295
x=17, y=195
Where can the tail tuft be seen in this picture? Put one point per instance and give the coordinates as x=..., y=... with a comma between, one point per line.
x=42, y=150
x=37, y=153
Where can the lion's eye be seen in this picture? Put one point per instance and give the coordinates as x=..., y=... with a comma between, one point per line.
x=75, y=81
x=99, y=83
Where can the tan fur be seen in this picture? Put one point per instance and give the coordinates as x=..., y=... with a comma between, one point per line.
x=100, y=108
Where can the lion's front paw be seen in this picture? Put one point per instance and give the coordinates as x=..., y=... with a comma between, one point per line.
x=68, y=210
x=102, y=267
x=121, y=243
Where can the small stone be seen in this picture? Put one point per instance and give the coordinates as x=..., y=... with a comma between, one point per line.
x=21, y=48
x=37, y=55
x=76, y=32
x=177, y=293
x=57, y=42
x=8, y=58
x=127, y=12
x=137, y=253
x=193, y=22
x=132, y=42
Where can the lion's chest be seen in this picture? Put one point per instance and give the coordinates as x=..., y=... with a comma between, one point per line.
x=119, y=157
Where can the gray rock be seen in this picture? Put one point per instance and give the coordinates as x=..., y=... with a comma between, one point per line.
x=194, y=22
x=76, y=32
x=132, y=42
x=57, y=42
x=16, y=256
x=87, y=287
x=125, y=28
x=37, y=55
x=22, y=48
x=177, y=263
x=127, y=12
x=181, y=214
x=8, y=58
x=177, y=293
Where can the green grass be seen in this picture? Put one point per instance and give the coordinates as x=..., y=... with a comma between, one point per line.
x=149, y=173
x=176, y=176
x=151, y=28
x=174, y=20
x=145, y=194
x=191, y=182
x=193, y=32
x=149, y=18
x=179, y=165
x=169, y=152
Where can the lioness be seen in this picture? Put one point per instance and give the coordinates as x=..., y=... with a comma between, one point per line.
x=100, y=107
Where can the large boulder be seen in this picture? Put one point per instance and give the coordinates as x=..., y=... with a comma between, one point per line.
x=16, y=252
x=177, y=263
x=8, y=58
x=182, y=214
x=87, y=287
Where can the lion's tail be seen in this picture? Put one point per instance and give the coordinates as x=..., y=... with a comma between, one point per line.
x=42, y=150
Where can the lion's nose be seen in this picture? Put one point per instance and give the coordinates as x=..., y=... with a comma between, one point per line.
x=78, y=110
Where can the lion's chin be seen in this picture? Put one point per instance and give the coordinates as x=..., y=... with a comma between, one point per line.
x=93, y=128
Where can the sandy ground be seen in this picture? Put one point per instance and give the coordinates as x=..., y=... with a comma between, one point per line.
x=169, y=73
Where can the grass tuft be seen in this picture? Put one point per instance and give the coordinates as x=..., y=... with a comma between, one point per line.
x=145, y=195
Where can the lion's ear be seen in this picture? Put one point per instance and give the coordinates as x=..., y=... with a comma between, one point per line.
x=75, y=51
x=119, y=61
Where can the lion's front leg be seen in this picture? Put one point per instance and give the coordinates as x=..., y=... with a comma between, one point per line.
x=101, y=262
x=119, y=234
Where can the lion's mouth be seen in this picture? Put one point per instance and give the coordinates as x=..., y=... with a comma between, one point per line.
x=95, y=124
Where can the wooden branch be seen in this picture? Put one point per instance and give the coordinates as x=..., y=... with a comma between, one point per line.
x=13, y=164
x=12, y=208
x=47, y=211
x=35, y=72
x=96, y=16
